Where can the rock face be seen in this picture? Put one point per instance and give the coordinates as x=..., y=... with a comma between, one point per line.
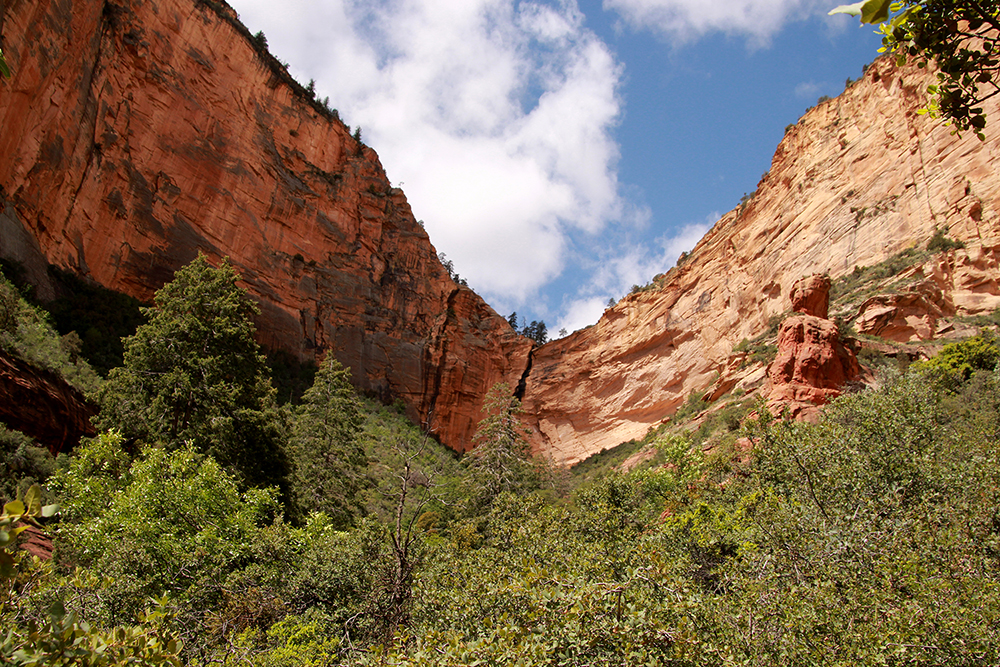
x=857, y=180
x=811, y=296
x=910, y=316
x=42, y=405
x=812, y=365
x=138, y=133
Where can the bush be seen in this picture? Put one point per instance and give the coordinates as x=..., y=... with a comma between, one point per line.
x=941, y=243
x=960, y=360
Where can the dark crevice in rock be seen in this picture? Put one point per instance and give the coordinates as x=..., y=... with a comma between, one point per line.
x=522, y=385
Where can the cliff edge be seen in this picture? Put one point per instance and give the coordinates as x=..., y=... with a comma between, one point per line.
x=136, y=134
x=857, y=180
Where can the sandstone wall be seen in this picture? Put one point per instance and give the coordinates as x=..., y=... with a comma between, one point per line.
x=858, y=179
x=137, y=133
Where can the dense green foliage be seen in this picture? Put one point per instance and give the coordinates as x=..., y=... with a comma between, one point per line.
x=58, y=637
x=193, y=374
x=960, y=360
x=26, y=332
x=872, y=537
x=330, y=463
x=22, y=464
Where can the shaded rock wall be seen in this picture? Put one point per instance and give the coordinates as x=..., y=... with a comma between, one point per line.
x=137, y=133
x=42, y=405
x=858, y=179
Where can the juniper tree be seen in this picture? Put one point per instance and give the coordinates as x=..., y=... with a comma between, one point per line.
x=194, y=374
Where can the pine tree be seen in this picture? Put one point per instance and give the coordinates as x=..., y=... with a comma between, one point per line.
x=501, y=458
x=330, y=463
x=194, y=374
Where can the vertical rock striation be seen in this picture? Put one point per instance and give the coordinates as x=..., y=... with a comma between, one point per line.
x=138, y=133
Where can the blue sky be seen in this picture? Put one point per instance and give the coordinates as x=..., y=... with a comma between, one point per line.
x=561, y=151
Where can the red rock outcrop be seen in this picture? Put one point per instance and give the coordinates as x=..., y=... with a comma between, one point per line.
x=137, y=133
x=858, y=179
x=911, y=315
x=812, y=365
x=811, y=296
x=42, y=405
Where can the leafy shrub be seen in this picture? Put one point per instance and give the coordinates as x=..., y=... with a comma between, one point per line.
x=960, y=360
x=941, y=243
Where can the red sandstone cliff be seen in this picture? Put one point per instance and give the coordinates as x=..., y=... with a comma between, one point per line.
x=858, y=179
x=42, y=405
x=137, y=133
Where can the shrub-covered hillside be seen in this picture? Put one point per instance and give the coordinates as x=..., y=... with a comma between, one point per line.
x=209, y=524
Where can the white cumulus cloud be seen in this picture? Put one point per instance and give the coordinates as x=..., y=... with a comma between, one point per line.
x=497, y=116
x=687, y=20
x=627, y=266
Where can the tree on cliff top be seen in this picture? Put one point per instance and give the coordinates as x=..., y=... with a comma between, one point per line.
x=962, y=37
x=194, y=374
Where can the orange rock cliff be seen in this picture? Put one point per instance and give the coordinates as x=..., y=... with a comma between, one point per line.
x=136, y=134
x=858, y=179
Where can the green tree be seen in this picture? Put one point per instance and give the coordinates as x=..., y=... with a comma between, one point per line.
x=962, y=37
x=169, y=522
x=536, y=331
x=194, y=374
x=61, y=638
x=501, y=458
x=330, y=462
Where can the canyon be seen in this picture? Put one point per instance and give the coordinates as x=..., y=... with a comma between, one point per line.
x=137, y=134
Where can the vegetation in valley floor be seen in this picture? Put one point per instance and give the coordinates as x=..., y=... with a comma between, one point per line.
x=869, y=537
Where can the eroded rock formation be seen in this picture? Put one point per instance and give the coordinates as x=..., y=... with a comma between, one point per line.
x=857, y=180
x=139, y=133
x=136, y=134
x=42, y=405
x=813, y=365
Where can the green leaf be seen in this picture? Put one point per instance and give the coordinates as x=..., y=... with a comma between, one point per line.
x=49, y=510
x=4, y=69
x=870, y=11
x=14, y=508
x=875, y=11
x=33, y=499
x=57, y=611
x=853, y=10
x=7, y=535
